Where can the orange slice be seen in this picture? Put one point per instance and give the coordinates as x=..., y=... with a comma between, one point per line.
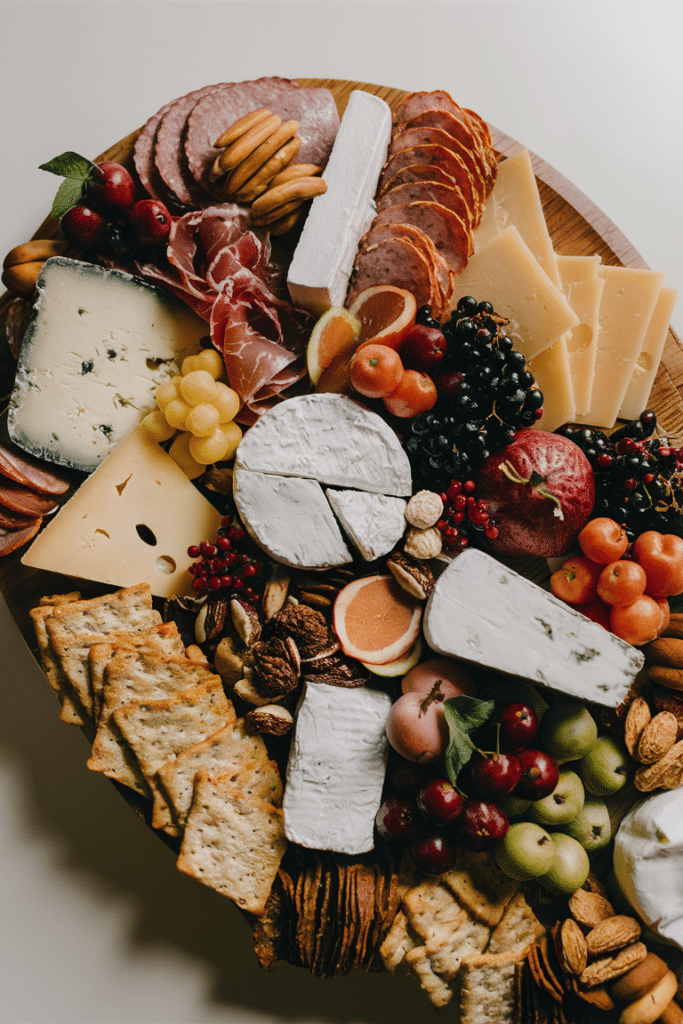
x=334, y=335
x=376, y=620
x=386, y=314
x=401, y=666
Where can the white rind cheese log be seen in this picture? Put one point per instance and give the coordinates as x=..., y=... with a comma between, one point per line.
x=336, y=768
x=482, y=612
x=331, y=439
x=323, y=259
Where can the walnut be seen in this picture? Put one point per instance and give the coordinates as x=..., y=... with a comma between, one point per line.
x=413, y=576
x=306, y=627
x=423, y=543
x=275, y=666
x=271, y=719
x=424, y=509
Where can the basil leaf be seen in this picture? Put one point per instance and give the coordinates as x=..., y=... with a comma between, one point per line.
x=69, y=193
x=69, y=165
x=463, y=715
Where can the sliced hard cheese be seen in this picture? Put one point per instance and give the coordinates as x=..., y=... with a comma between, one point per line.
x=132, y=521
x=319, y=272
x=644, y=372
x=506, y=273
x=626, y=307
x=374, y=523
x=99, y=345
x=583, y=286
x=290, y=519
x=331, y=439
x=336, y=768
x=552, y=373
x=473, y=613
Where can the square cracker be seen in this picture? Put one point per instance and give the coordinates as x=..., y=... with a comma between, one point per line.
x=399, y=940
x=165, y=640
x=480, y=885
x=449, y=931
x=488, y=988
x=51, y=667
x=231, y=843
x=518, y=928
x=236, y=751
x=439, y=991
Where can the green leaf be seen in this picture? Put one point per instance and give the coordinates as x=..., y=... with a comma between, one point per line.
x=463, y=715
x=69, y=165
x=69, y=193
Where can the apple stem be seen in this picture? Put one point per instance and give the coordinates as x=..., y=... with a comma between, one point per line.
x=535, y=480
x=435, y=694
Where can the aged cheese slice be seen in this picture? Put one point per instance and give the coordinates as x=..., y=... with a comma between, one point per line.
x=131, y=521
x=583, y=286
x=644, y=372
x=506, y=273
x=374, y=523
x=97, y=348
x=336, y=768
x=473, y=613
x=552, y=373
x=319, y=272
x=290, y=519
x=331, y=439
x=626, y=307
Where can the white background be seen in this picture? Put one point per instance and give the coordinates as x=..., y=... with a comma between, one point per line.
x=96, y=925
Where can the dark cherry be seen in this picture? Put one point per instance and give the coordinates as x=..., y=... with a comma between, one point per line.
x=496, y=776
x=423, y=348
x=407, y=776
x=439, y=802
x=150, y=221
x=481, y=825
x=449, y=383
x=83, y=227
x=518, y=725
x=540, y=774
x=434, y=854
x=110, y=188
x=398, y=819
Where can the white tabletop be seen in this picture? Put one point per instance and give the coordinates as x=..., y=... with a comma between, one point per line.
x=96, y=924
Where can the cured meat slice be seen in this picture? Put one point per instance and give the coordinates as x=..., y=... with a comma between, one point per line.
x=461, y=162
x=415, y=172
x=169, y=151
x=27, y=503
x=394, y=261
x=12, y=540
x=24, y=470
x=15, y=521
x=143, y=158
x=433, y=192
x=443, y=227
x=421, y=102
x=442, y=274
x=314, y=109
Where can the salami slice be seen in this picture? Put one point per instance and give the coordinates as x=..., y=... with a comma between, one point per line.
x=443, y=227
x=443, y=277
x=422, y=102
x=169, y=151
x=415, y=172
x=433, y=145
x=12, y=540
x=15, y=521
x=443, y=121
x=143, y=158
x=27, y=503
x=433, y=192
x=27, y=471
x=394, y=261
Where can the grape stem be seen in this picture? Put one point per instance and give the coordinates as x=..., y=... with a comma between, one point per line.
x=536, y=481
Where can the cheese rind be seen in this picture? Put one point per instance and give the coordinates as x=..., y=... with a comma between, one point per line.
x=374, y=523
x=336, y=768
x=473, y=613
x=105, y=531
x=99, y=344
x=323, y=259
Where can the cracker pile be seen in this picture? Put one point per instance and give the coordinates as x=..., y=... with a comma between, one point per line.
x=471, y=925
x=162, y=726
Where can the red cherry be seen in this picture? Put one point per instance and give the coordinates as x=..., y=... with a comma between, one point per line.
x=407, y=775
x=439, y=802
x=83, y=227
x=423, y=348
x=433, y=854
x=518, y=725
x=540, y=774
x=150, y=221
x=482, y=825
x=110, y=188
x=397, y=820
x=496, y=776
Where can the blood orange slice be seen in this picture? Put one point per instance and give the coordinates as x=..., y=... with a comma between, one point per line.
x=376, y=620
x=386, y=314
x=400, y=666
x=334, y=335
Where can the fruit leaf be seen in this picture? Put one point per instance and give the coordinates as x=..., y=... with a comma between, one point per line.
x=75, y=170
x=463, y=714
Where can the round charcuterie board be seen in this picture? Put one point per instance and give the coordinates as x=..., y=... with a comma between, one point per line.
x=577, y=227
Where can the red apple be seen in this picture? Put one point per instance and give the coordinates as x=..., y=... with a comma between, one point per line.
x=540, y=490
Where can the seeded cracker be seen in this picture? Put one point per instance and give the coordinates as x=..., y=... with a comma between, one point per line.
x=400, y=939
x=39, y=616
x=518, y=928
x=232, y=844
x=488, y=990
x=439, y=991
x=449, y=930
x=164, y=640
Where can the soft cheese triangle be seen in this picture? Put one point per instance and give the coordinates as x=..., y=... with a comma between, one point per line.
x=648, y=862
x=331, y=439
x=483, y=612
x=374, y=523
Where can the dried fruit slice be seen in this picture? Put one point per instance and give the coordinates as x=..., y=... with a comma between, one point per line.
x=335, y=334
x=386, y=314
x=376, y=620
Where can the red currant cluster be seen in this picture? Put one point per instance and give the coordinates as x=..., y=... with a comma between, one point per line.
x=108, y=215
x=226, y=566
x=462, y=515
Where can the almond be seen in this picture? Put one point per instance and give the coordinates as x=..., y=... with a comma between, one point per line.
x=609, y=968
x=613, y=933
x=573, y=947
x=637, y=718
x=589, y=908
x=665, y=651
x=666, y=773
x=665, y=676
x=658, y=736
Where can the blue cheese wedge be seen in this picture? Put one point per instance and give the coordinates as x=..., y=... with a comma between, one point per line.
x=374, y=523
x=323, y=259
x=482, y=612
x=336, y=768
x=99, y=344
x=290, y=519
x=331, y=439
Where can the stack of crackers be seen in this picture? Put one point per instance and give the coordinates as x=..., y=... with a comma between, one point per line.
x=162, y=726
x=472, y=926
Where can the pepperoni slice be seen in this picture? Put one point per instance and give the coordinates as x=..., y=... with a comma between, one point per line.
x=27, y=471
x=13, y=520
x=27, y=503
x=11, y=540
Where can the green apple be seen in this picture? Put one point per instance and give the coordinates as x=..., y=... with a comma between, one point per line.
x=514, y=806
x=563, y=804
x=591, y=827
x=604, y=770
x=568, y=730
x=570, y=866
x=526, y=852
